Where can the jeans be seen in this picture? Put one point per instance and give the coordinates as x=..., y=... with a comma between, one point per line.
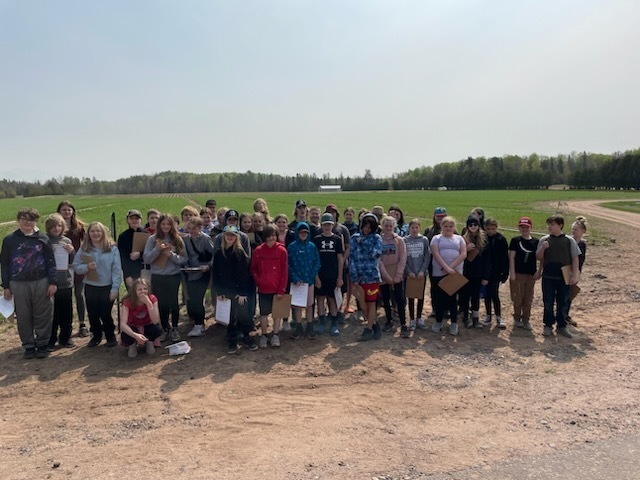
x=165, y=287
x=195, y=300
x=555, y=291
x=62, y=316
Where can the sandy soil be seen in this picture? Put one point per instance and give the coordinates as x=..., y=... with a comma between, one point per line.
x=333, y=408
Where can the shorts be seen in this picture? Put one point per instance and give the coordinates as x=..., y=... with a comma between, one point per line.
x=327, y=288
x=371, y=291
x=265, y=300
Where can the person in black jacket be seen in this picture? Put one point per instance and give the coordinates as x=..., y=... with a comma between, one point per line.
x=232, y=280
x=499, y=256
x=131, y=261
x=477, y=268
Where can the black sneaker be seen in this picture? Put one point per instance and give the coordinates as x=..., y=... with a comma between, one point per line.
x=111, y=343
x=250, y=344
x=29, y=353
x=388, y=326
x=367, y=334
x=377, y=333
x=404, y=331
x=467, y=322
x=42, y=352
x=68, y=344
x=94, y=342
x=564, y=332
x=51, y=348
x=310, y=331
x=233, y=349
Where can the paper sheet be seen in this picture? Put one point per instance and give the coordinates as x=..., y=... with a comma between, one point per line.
x=6, y=307
x=338, y=294
x=223, y=311
x=61, y=257
x=299, y=294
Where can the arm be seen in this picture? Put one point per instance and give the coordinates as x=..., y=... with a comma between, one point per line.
x=426, y=258
x=116, y=273
x=460, y=258
x=79, y=266
x=512, y=265
x=151, y=250
x=282, y=284
x=339, y=282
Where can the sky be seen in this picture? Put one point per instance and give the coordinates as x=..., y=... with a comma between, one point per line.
x=110, y=89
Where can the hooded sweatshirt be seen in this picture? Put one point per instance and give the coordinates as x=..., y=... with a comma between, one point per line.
x=394, y=255
x=304, y=259
x=363, y=263
x=269, y=268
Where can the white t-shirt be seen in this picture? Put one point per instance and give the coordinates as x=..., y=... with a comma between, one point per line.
x=449, y=248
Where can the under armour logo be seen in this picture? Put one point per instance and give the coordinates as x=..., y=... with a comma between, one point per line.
x=327, y=244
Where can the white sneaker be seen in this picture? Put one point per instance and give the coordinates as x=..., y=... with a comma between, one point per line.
x=262, y=343
x=133, y=350
x=422, y=324
x=196, y=331
x=412, y=324
x=286, y=327
x=501, y=323
x=150, y=349
x=487, y=320
x=453, y=329
x=275, y=340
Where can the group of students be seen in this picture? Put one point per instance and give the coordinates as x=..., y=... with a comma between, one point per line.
x=254, y=260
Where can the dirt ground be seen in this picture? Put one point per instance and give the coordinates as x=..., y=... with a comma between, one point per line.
x=334, y=408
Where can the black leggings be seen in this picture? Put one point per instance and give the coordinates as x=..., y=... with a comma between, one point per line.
x=444, y=302
x=195, y=300
x=492, y=297
x=165, y=287
x=99, y=308
x=470, y=293
x=398, y=296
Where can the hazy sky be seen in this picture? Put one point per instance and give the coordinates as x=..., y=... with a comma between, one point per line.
x=114, y=88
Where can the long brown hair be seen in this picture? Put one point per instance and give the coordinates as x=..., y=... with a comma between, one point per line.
x=174, y=236
x=75, y=224
x=131, y=291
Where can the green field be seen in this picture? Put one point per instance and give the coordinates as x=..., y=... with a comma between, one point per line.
x=629, y=206
x=505, y=205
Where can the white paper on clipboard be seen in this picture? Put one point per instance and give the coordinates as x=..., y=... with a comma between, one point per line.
x=6, y=307
x=223, y=311
x=299, y=294
x=338, y=294
x=61, y=257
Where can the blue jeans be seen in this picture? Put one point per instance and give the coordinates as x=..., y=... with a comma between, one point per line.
x=554, y=291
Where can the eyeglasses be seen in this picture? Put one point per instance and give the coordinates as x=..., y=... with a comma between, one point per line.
x=25, y=219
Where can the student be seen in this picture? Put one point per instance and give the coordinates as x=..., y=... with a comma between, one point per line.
x=258, y=223
x=523, y=273
x=578, y=230
x=200, y=254
x=260, y=206
x=231, y=217
x=211, y=205
x=364, y=270
x=63, y=299
x=269, y=269
x=343, y=232
x=29, y=277
x=283, y=229
x=402, y=227
x=438, y=214
x=349, y=215
x=131, y=261
x=75, y=232
x=392, y=263
x=556, y=250
x=330, y=248
x=207, y=217
x=498, y=252
x=352, y=227
x=476, y=269
x=448, y=251
x=417, y=266
x=314, y=219
x=166, y=253
x=231, y=281
x=99, y=255
x=219, y=222
x=140, y=319
x=187, y=213
x=152, y=221
x=304, y=264
x=245, y=225
x=301, y=214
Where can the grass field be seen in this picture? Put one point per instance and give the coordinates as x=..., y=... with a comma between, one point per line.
x=630, y=206
x=505, y=205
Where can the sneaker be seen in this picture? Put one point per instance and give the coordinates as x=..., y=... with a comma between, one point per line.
x=298, y=332
x=320, y=326
x=149, y=348
x=388, y=326
x=94, y=342
x=453, y=329
x=275, y=341
x=174, y=335
x=501, y=323
x=132, y=351
x=286, y=327
x=564, y=332
x=29, y=353
x=437, y=327
x=412, y=325
x=310, y=332
x=518, y=324
x=250, y=344
x=422, y=325
x=487, y=320
x=334, y=331
x=476, y=323
x=51, y=348
x=547, y=331
x=404, y=331
x=83, y=332
x=42, y=352
x=111, y=343
x=262, y=343
x=163, y=336
x=68, y=344
x=196, y=331
x=467, y=322
x=571, y=321
x=367, y=334
x=377, y=332
x=233, y=349
x=526, y=324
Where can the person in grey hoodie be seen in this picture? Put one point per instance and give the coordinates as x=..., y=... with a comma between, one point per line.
x=200, y=252
x=417, y=266
x=166, y=253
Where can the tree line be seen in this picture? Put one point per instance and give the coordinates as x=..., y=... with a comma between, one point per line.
x=578, y=170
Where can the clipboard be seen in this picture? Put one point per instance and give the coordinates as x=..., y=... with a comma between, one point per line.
x=566, y=274
x=472, y=254
x=391, y=269
x=281, y=307
x=299, y=294
x=139, y=241
x=574, y=290
x=452, y=283
x=161, y=261
x=91, y=275
x=223, y=311
x=415, y=287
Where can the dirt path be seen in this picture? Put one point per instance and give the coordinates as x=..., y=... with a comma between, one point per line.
x=334, y=408
x=592, y=208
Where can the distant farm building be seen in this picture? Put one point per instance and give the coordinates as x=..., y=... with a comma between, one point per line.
x=330, y=188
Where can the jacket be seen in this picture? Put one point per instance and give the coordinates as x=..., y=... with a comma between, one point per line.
x=269, y=268
x=499, y=258
x=108, y=267
x=394, y=254
x=27, y=258
x=152, y=252
x=304, y=259
x=363, y=259
x=231, y=275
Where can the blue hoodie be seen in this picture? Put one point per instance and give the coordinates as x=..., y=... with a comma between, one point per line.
x=363, y=258
x=304, y=259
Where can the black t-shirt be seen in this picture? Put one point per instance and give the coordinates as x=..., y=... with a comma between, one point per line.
x=328, y=247
x=525, y=254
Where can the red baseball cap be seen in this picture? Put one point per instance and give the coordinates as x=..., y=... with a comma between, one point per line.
x=525, y=221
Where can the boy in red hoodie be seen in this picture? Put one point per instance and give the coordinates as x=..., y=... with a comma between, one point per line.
x=270, y=272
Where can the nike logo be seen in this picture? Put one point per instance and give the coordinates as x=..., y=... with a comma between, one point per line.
x=371, y=292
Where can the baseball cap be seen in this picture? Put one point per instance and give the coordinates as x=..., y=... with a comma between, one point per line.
x=331, y=207
x=440, y=212
x=230, y=213
x=210, y=203
x=230, y=229
x=134, y=213
x=525, y=221
x=301, y=203
x=327, y=218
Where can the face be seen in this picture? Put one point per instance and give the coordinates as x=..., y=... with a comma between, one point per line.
x=66, y=211
x=414, y=229
x=490, y=230
x=95, y=234
x=448, y=228
x=438, y=219
x=366, y=228
x=206, y=218
x=327, y=227
x=56, y=230
x=193, y=229
x=473, y=227
x=229, y=238
x=395, y=214
x=525, y=230
x=258, y=223
x=134, y=221
x=577, y=231
x=165, y=226
x=27, y=226
x=212, y=208
x=186, y=216
x=303, y=234
x=259, y=206
x=301, y=212
x=348, y=217
x=141, y=290
x=281, y=224
x=220, y=217
x=232, y=221
x=314, y=216
x=271, y=240
x=153, y=220
x=387, y=227
x=246, y=224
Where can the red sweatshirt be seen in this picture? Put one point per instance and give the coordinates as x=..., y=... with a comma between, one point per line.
x=269, y=268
